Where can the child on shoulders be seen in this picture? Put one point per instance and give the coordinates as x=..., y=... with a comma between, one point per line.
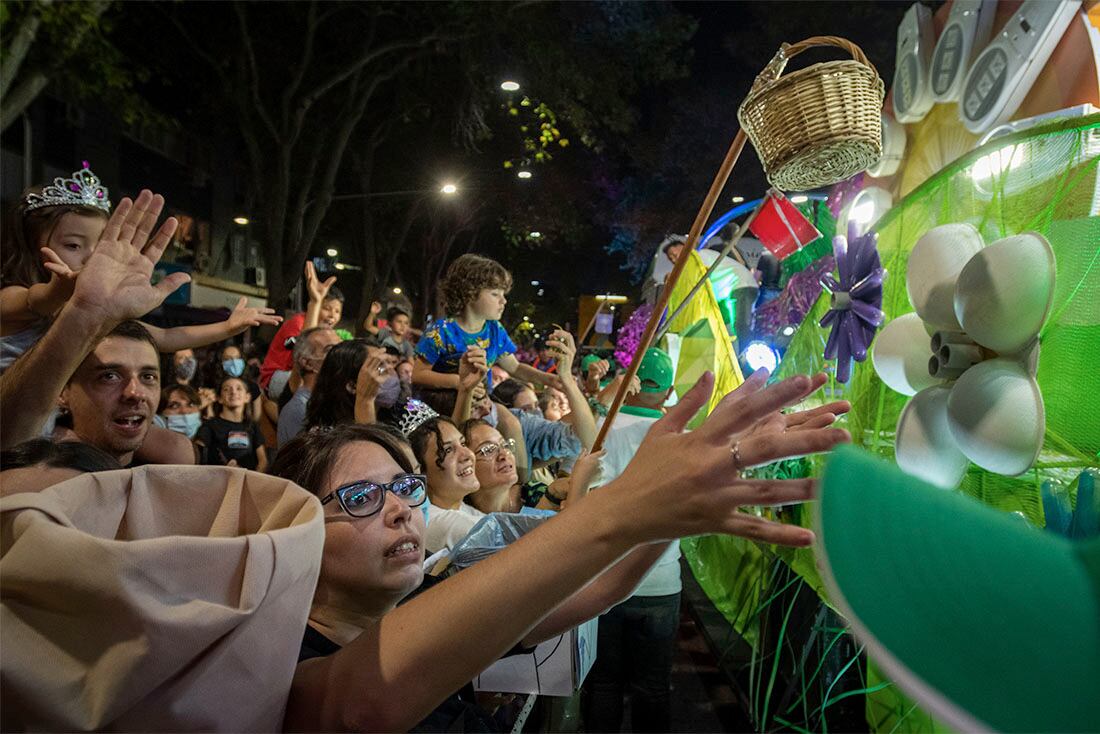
x=474, y=294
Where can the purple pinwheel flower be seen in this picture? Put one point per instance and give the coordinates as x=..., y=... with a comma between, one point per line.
x=856, y=300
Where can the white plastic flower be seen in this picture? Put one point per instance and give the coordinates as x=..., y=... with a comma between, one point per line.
x=969, y=354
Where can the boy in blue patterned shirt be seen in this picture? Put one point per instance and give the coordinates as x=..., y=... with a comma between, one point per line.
x=473, y=291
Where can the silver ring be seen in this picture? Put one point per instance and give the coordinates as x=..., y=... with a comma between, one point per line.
x=735, y=452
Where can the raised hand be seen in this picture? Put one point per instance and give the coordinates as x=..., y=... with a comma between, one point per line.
x=596, y=372
x=561, y=342
x=116, y=282
x=586, y=471
x=472, y=368
x=62, y=277
x=372, y=375
x=689, y=483
x=316, y=289
x=244, y=316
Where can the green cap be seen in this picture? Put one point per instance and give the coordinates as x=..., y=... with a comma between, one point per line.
x=988, y=622
x=589, y=359
x=656, y=371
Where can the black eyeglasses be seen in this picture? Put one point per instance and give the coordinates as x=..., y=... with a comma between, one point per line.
x=363, y=499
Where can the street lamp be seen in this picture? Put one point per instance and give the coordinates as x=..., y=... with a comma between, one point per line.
x=397, y=291
x=448, y=189
x=509, y=86
x=240, y=220
x=331, y=252
x=523, y=174
x=536, y=235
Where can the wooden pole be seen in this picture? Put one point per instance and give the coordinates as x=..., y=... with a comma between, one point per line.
x=713, y=266
x=705, y=210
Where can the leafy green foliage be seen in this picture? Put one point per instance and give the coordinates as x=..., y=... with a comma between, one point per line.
x=68, y=43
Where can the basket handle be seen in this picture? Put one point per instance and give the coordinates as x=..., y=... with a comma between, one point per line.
x=775, y=67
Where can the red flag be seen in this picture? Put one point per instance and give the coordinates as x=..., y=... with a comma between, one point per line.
x=781, y=227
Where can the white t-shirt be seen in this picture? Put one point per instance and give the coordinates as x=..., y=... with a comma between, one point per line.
x=622, y=443
x=447, y=527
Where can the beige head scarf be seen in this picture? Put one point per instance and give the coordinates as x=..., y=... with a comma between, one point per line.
x=155, y=599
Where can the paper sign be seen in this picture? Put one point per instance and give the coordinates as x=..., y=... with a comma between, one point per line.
x=781, y=227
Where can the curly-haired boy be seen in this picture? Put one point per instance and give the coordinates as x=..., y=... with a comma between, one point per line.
x=473, y=291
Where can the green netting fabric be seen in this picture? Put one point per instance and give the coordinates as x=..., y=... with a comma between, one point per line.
x=1045, y=180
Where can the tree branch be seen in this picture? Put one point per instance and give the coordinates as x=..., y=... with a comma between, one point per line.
x=254, y=73
x=303, y=63
x=23, y=94
x=194, y=46
x=17, y=50
x=325, y=86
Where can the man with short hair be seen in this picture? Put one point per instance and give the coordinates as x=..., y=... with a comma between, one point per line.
x=113, y=395
x=637, y=637
x=310, y=349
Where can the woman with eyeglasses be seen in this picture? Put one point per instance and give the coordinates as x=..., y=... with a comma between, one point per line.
x=370, y=665
x=499, y=488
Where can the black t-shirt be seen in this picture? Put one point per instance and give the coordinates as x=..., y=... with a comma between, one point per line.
x=458, y=713
x=224, y=440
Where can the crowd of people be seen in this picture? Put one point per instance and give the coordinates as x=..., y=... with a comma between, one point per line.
x=408, y=438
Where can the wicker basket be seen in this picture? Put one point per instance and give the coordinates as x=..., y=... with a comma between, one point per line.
x=817, y=125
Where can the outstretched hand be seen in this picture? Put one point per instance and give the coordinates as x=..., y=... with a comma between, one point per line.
x=689, y=483
x=116, y=281
x=244, y=316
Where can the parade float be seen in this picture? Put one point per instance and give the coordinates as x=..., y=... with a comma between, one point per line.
x=952, y=295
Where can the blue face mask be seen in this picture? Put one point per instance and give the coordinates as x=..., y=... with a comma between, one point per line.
x=187, y=424
x=233, y=367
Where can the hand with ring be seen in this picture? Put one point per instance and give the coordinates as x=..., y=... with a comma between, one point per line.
x=700, y=467
x=372, y=375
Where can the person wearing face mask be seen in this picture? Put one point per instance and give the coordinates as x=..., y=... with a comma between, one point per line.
x=394, y=389
x=310, y=350
x=180, y=409
x=230, y=363
x=184, y=366
x=354, y=381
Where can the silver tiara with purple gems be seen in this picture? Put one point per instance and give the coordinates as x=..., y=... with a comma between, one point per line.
x=417, y=413
x=83, y=189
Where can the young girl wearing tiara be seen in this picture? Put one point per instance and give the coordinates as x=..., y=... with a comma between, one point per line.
x=47, y=238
